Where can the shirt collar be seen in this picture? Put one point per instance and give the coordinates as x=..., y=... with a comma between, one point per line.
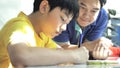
x=94, y=23
x=77, y=28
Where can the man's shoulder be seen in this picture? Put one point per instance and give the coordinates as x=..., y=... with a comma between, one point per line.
x=101, y=19
x=71, y=25
x=103, y=16
x=103, y=12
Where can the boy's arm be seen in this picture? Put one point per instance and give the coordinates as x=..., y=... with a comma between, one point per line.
x=22, y=55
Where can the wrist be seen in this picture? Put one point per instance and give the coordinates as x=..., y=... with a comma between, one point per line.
x=88, y=46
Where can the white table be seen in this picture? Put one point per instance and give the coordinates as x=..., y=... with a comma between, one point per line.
x=100, y=64
x=80, y=66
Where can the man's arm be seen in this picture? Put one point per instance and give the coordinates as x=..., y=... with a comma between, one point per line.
x=22, y=55
x=67, y=45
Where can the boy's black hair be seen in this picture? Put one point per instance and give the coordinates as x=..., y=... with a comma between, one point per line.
x=102, y=2
x=70, y=5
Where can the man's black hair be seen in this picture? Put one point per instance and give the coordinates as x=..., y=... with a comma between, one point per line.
x=70, y=5
x=102, y=2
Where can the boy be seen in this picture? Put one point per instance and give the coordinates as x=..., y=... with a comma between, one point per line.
x=26, y=40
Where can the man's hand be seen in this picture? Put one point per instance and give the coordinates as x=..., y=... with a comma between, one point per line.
x=100, y=52
x=99, y=47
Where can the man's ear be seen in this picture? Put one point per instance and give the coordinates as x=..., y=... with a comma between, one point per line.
x=44, y=7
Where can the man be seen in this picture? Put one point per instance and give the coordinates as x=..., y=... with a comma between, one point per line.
x=88, y=29
x=26, y=40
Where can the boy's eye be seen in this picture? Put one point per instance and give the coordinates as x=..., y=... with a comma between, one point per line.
x=62, y=19
x=82, y=7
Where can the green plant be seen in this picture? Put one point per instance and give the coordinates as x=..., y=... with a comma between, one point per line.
x=111, y=12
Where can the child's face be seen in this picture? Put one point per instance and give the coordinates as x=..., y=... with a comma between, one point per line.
x=56, y=21
x=89, y=10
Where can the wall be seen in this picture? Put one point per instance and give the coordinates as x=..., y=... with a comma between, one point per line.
x=11, y=8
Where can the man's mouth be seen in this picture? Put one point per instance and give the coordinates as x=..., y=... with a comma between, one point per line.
x=86, y=20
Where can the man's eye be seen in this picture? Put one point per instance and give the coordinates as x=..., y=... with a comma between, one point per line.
x=94, y=11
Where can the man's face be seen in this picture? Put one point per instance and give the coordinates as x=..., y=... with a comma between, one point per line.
x=56, y=21
x=89, y=10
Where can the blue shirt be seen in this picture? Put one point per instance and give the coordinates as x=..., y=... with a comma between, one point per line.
x=91, y=32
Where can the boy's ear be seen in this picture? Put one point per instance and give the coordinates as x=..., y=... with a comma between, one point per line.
x=44, y=7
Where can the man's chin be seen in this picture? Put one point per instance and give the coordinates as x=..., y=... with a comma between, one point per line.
x=84, y=25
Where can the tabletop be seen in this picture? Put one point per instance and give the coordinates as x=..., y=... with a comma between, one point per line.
x=79, y=66
x=112, y=62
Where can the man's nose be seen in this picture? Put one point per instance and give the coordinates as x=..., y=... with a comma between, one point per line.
x=86, y=14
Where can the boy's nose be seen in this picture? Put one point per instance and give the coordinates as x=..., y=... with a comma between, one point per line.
x=63, y=27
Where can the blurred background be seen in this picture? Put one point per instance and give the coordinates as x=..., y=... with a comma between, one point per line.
x=10, y=9
x=113, y=30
